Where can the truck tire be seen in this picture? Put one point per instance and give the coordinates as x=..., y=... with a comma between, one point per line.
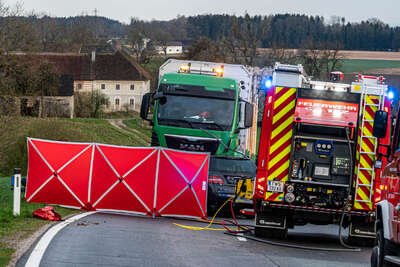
x=270, y=233
x=374, y=257
x=154, y=139
x=381, y=248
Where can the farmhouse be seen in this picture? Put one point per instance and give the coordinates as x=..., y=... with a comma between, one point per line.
x=116, y=75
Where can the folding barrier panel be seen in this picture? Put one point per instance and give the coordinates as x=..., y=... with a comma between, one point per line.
x=148, y=181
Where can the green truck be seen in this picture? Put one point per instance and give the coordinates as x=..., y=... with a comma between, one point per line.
x=207, y=107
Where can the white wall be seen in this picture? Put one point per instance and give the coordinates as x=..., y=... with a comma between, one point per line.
x=128, y=99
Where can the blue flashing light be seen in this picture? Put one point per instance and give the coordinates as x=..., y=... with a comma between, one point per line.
x=266, y=83
x=390, y=95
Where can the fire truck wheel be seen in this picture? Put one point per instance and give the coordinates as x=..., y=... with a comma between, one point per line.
x=270, y=233
x=374, y=257
x=381, y=248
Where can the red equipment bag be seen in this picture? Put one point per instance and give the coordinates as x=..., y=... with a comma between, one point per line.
x=47, y=213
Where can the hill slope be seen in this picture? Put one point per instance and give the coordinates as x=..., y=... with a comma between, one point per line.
x=15, y=130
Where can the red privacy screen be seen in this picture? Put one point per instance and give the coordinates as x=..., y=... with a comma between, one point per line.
x=148, y=181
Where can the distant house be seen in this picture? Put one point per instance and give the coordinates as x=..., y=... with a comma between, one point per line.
x=171, y=48
x=116, y=75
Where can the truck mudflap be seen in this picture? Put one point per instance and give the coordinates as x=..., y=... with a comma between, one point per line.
x=271, y=221
x=362, y=230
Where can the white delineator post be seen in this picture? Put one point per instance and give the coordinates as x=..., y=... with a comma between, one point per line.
x=17, y=192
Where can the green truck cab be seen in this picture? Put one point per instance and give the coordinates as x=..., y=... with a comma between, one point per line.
x=200, y=112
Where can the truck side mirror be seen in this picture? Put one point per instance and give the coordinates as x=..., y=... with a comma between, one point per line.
x=144, y=109
x=246, y=115
x=380, y=124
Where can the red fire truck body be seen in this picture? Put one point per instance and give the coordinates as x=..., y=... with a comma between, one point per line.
x=388, y=209
x=318, y=158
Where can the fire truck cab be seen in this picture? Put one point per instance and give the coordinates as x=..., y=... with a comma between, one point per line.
x=318, y=160
x=388, y=210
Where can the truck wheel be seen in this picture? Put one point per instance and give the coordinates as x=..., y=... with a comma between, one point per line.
x=374, y=257
x=154, y=139
x=270, y=233
x=381, y=248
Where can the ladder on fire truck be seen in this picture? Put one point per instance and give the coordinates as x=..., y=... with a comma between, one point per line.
x=372, y=91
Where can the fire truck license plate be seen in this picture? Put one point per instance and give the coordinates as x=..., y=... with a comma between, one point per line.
x=275, y=186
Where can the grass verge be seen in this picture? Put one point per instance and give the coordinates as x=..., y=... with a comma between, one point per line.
x=15, y=130
x=14, y=230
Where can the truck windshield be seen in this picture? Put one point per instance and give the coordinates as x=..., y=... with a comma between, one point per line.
x=196, y=112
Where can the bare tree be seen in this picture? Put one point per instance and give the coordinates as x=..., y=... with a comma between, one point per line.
x=320, y=61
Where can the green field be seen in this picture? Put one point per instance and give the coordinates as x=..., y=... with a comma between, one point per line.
x=363, y=65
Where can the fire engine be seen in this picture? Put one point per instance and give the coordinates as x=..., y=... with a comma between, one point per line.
x=318, y=160
x=388, y=210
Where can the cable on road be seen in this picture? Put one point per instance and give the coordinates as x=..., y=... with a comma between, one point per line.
x=281, y=244
x=223, y=223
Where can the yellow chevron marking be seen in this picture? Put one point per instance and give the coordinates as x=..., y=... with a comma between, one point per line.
x=278, y=89
x=278, y=157
x=280, y=142
x=277, y=172
x=367, y=132
x=368, y=116
x=358, y=205
x=365, y=147
x=365, y=180
x=364, y=162
x=282, y=98
x=370, y=99
x=283, y=126
x=361, y=194
x=284, y=111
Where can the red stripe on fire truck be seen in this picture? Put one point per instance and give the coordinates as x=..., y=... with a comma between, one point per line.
x=281, y=138
x=364, y=169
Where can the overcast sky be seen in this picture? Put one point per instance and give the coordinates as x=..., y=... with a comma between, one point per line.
x=123, y=10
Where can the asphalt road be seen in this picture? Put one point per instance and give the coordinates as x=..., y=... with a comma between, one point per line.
x=117, y=240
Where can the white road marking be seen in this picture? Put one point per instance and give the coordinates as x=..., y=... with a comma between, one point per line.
x=38, y=252
x=242, y=239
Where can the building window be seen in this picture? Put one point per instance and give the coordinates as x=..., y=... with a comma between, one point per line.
x=117, y=101
x=79, y=86
x=132, y=102
x=132, y=87
x=117, y=86
x=103, y=86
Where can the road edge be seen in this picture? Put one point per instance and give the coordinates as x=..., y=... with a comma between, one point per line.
x=48, y=234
